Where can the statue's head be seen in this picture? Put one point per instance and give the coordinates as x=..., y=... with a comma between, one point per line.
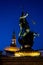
x=23, y=14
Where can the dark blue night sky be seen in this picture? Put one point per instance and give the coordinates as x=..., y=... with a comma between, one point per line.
x=10, y=11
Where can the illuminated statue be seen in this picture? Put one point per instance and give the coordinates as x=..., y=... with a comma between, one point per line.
x=25, y=36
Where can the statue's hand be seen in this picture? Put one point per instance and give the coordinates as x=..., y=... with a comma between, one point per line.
x=36, y=34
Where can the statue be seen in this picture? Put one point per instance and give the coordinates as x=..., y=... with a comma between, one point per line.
x=26, y=36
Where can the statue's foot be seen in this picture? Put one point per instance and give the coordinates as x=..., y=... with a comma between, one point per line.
x=26, y=49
